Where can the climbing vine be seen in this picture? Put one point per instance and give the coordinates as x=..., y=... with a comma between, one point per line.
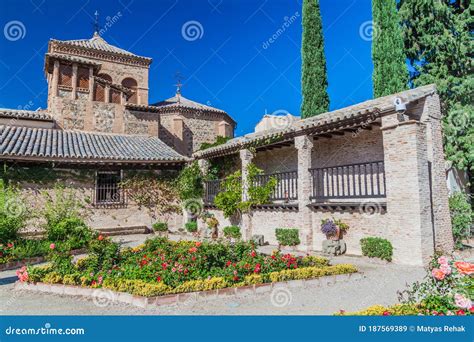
x=229, y=200
x=190, y=182
x=157, y=194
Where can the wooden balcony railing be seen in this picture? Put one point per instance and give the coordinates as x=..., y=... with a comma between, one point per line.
x=286, y=188
x=364, y=180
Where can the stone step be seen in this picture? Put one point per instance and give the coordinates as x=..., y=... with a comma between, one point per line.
x=113, y=231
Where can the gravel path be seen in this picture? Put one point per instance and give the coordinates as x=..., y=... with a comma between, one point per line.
x=378, y=286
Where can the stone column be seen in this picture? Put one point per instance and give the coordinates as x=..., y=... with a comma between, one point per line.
x=74, y=81
x=246, y=157
x=107, y=93
x=431, y=116
x=304, y=146
x=409, y=226
x=55, y=80
x=91, y=83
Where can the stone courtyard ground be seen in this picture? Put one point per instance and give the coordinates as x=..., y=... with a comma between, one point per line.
x=379, y=285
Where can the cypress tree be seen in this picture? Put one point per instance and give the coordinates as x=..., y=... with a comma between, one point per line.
x=438, y=43
x=313, y=71
x=390, y=73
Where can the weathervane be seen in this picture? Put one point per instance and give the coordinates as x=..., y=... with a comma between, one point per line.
x=178, y=84
x=96, y=23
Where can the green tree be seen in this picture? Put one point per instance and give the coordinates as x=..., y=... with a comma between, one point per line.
x=438, y=43
x=313, y=74
x=390, y=70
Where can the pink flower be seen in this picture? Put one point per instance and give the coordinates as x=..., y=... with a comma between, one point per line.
x=446, y=269
x=173, y=269
x=462, y=302
x=100, y=279
x=52, y=246
x=442, y=260
x=438, y=274
x=22, y=274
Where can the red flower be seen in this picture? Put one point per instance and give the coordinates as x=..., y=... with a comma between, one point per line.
x=273, y=257
x=257, y=269
x=100, y=237
x=198, y=244
x=193, y=258
x=236, y=278
x=386, y=313
x=192, y=250
x=164, y=265
x=460, y=312
x=228, y=263
x=471, y=310
x=158, y=279
x=52, y=246
x=10, y=245
x=253, y=254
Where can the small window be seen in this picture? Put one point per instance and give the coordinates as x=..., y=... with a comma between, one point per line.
x=131, y=84
x=65, y=75
x=83, y=78
x=108, y=190
x=115, y=96
x=99, y=92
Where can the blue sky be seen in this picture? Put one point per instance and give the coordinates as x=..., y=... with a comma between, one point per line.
x=230, y=64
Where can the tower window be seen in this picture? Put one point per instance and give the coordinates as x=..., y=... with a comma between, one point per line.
x=83, y=78
x=99, y=92
x=65, y=75
x=131, y=84
x=115, y=96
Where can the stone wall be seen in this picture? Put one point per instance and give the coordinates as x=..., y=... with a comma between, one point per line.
x=81, y=185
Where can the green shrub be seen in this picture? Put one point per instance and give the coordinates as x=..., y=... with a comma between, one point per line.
x=30, y=248
x=287, y=236
x=461, y=217
x=311, y=272
x=191, y=226
x=160, y=227
x=375, y=247
x=190, y=182
x=232, y=232
x=68, y=228
x=12, y=214
x=64, y=204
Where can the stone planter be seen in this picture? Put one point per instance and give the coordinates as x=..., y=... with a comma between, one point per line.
x=334, y=247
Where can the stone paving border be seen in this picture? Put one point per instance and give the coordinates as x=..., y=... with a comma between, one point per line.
x=11, y=265
x=104, y=297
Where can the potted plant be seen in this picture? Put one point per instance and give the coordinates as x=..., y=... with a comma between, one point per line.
x=334, y=229
x=212, y=223
x=160, y=228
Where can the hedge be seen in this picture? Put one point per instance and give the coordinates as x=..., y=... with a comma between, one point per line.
x=287, y=236
x=375, y=247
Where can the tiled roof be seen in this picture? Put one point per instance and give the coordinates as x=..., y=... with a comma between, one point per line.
x=71, y=146
x=298, y=127
x=70, y=58
x=25, y=114
x=180, y=101
x=99, y=44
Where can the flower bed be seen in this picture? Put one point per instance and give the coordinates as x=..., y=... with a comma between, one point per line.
x=161, y=266
x=448, y=289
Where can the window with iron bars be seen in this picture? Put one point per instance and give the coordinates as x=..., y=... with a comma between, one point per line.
x=108, y=190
